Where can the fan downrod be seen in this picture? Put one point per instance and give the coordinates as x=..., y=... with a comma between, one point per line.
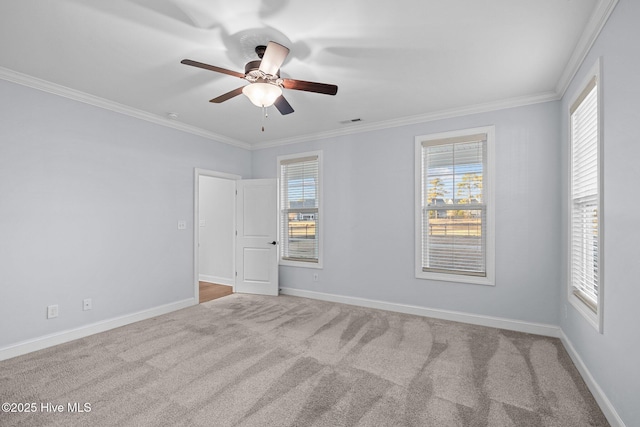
x=260, y=49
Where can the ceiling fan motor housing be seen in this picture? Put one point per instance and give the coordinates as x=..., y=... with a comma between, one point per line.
x=252, y=72
x=252, y=68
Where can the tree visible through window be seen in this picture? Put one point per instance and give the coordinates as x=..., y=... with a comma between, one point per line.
x=453, y=209
x=299, y=209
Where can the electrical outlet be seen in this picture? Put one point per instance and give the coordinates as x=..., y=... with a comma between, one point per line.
x=182, y=224
x=52, y=311
x=86, y=304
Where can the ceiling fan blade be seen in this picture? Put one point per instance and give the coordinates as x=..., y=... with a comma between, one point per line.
x=212, y=68
x=273, y=58
x=227, y=95
x=323, y=88
x=283, y=106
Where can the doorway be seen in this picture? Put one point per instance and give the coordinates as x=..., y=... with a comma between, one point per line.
x=214, y=234
x=236, y=246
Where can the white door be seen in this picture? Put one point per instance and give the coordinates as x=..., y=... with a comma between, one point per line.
x=256, y=244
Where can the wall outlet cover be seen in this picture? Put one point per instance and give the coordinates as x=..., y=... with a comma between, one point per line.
x=52, y=311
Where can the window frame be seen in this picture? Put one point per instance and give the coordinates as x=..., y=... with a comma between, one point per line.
x=320, y=221
x=593, y=315
x=489, y=202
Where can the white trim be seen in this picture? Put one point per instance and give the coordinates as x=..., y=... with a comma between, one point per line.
x=412, y=120
x=591, y=32
x=495, y=322
x=50, y=340
x=488, y=195
x=605, y=404
x=279, y=159
x=302, y=264
x=226, y=281
x=76, y=95
x=455, y=316
x=596, y=23
x=594, y=319
x=197, y=173
x=26, y=80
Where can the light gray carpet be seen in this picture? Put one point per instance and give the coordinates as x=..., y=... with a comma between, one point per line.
x=285, y=361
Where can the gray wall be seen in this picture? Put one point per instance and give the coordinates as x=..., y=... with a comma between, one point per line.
x=612, y=357
x=369, y=217
x=89, y=204
x=89, y=201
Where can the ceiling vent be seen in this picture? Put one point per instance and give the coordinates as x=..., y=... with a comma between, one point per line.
x=346, y=122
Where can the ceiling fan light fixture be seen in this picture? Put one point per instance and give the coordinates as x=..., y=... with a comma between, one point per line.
x=265, y=84
x=262, y=94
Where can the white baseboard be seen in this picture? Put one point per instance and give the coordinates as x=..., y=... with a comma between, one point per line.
x=474, y=319
x=605, y=404
x=494, y=322
x=40, y=343
x=216, y=279
x=514, y=325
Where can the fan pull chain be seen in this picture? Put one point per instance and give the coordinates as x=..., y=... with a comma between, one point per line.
x=264, y=116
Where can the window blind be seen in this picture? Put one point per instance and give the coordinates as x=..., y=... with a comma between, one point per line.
x=454, y=214
x=299, y=202
x=585, y=224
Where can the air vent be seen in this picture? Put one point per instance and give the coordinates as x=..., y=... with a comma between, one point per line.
x=346, y=122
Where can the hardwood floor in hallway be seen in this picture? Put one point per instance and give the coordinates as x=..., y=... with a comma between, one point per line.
x=211, y=291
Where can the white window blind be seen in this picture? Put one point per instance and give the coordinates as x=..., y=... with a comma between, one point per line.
x=585, y=197
x=299, y=213
x=454, y=211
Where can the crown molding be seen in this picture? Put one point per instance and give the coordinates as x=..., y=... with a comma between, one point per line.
x=598, y=18
x=596, y=23
x=411, y=120
x=76, y=95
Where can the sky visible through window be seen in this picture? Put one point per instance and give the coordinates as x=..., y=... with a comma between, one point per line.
x=301, y=190
x=454, y=173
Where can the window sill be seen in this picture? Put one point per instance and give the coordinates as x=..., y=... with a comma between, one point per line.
x=302, y=264
x=593, y=318
x=458, y=278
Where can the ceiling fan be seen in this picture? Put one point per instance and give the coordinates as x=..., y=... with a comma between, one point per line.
x=265, y=84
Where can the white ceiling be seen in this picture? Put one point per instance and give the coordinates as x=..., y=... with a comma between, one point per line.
x=394, y=62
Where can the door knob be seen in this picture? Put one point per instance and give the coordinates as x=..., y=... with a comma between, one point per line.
x=273, y=243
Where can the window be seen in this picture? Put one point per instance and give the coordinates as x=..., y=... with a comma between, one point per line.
x=300, y=209
x=585, y=203
x=454, y=206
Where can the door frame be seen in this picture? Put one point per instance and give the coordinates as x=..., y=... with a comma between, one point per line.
x=197, y=173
